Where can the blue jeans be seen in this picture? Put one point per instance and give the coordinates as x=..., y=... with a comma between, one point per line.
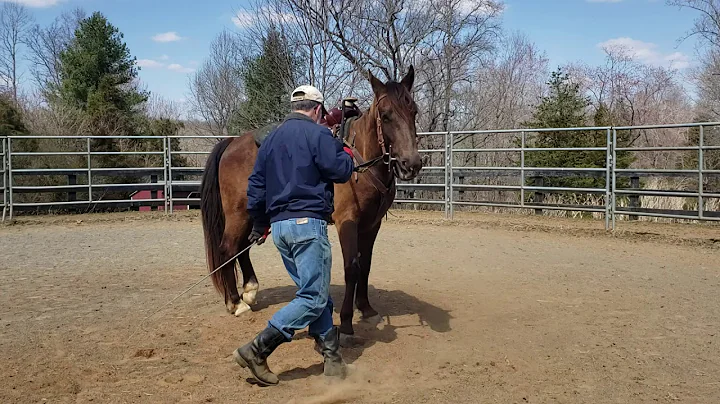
x=305, y=250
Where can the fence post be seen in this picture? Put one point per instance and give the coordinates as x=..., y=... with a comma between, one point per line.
x=461, y=193
x=167, y=174
x=539, y=196
x=613, y=168
x=153, y=192
x=608, y=191
x=448, y=175
x=522, y=168
x=4, y=177
x=89, y=172
x=72, y=195
x=634, y=199
x=701, y=167
x=452, y=175
x=10, y=177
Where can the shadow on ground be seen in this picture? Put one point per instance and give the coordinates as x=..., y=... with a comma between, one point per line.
x=389, y=303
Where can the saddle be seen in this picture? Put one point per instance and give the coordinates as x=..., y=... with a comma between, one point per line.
x=338, y=119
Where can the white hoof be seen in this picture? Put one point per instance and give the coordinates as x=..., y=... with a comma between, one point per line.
x=250, y=293
x=241, y=308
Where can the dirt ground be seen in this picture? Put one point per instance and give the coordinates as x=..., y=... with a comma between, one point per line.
x=484, y=309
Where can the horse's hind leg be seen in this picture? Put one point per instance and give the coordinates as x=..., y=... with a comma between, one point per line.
x=235, y=229
x=251, y=286
x=366, y=241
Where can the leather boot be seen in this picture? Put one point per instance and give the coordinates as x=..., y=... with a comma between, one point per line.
x=254, y=354
x=329, y=347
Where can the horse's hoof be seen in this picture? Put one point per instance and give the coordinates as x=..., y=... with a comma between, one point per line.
x=374, y=320
x=250, y=291
x=250, y=297
x=350, y=341
x=241, y=308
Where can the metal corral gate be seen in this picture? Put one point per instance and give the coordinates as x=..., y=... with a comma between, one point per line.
x=450, y=166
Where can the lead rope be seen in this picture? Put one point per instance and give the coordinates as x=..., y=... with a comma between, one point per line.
x=193, y=286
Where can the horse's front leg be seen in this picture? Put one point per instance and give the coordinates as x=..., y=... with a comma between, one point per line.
x=348, y=234
x=365, y=248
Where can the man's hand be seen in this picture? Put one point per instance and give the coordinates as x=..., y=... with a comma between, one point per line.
x=259, y=234
x=349, y=151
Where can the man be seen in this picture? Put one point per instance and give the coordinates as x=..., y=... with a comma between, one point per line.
x=291, y=191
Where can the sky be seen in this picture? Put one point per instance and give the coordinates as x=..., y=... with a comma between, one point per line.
x=170, y=38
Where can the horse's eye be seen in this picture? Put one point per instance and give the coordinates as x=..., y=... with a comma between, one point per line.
x=386, y=117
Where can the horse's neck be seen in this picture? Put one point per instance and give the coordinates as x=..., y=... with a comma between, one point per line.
x=366, y=138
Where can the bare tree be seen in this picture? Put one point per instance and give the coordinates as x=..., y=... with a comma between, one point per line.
x=45, y=45
x=706, y=76
x=382, y=35
x=158, y=107
x=635, y=93
x=323, y=65
x=707, y=79
x=707, y=24
x=630, y=93
x=14, y=23
x=217, y=89
x=445, y=39
x=504, y=92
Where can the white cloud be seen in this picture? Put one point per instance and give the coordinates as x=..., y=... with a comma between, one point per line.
x=34, y=3
x=180, y=69
x=167, y=37
x=647, y=52
x=678, y=60
x=149, y=63
x=164, y=57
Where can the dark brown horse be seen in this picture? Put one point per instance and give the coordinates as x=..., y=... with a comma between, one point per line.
x=385, y=133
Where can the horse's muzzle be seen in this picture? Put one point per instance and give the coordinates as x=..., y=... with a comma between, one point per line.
x=407, y=169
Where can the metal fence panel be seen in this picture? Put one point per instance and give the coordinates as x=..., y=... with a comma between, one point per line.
x=4, y=174
x=442, y=183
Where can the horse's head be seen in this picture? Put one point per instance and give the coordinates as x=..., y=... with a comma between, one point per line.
x=395, y=113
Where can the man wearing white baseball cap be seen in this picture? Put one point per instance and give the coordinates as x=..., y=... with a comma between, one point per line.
x=309, y=93
x=291, y=191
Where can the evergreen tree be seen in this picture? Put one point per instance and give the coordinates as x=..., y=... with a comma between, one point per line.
x=11, y=123
x=566, y=107
x=269, y=78
x=97, y=75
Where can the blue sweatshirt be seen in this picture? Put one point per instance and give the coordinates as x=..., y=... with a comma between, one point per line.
x=296, y=167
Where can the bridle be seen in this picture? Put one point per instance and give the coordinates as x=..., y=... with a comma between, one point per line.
x=386, y=156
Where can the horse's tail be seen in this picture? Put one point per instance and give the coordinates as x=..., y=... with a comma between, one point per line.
x=213, y=219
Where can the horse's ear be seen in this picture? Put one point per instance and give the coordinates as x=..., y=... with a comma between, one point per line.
x=409, y=78
x=377, y=86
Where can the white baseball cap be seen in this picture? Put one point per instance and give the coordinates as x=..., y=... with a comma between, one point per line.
x=310, y=93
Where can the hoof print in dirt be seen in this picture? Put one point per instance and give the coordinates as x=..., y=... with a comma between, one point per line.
x=144, y=353
x=252, y=381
